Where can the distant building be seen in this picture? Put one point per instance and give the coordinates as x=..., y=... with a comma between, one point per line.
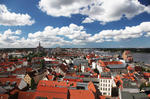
x=39, y=48
x=56, y=50
x=35, y=75
x=118, y=68
x=127, y=56
x=14, y=54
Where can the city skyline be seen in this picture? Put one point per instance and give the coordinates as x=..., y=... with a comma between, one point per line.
x=75, y=23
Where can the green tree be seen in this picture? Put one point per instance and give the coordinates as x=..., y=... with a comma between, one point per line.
x=10, y=57
x=142, y=86
x=43, y=64
x=33, y=85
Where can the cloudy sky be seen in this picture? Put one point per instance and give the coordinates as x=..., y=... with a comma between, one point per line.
x=75, y=23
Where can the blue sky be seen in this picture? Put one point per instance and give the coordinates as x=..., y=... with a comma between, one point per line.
x=75, y=23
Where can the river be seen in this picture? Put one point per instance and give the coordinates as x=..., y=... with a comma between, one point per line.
x=142, y=57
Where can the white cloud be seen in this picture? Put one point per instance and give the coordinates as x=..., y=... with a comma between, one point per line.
x=87, y=20
x=56, y=35
x=113, y=10
x=9, y=37
x=95, y=10
x=148, y=34
x=62, y=7
x=49, y=37
x=72, y=35
x=8, y=18
x=123, y=34
x=148, y=9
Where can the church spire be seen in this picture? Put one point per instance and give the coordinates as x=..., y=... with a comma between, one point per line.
x=39, y=44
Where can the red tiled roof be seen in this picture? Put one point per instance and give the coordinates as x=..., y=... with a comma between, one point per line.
x=52, y=89
x=105, y=63
x=91, y=87
x=88, y=69
x=22, y=70
x=146, y=74
x=101, y=97
x=37, y=58
x=26, y=95
x=14, y=91
x=56, y=84
x=4, y=96
x=4, y=80
x=81, y=94
x=52, y=94
x=50, y=77
x=129, y=68
x=149, y=95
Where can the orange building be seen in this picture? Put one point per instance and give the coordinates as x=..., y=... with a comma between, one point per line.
x=127, y=56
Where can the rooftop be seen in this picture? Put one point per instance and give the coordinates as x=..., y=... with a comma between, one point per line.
x=119, y=66
x=53, y=84
x=105, y=75
x=126, y=95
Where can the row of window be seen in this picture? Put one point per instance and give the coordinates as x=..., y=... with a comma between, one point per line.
x=104, y=80
x=105, y=89
x=105, y=85
x=104, y=93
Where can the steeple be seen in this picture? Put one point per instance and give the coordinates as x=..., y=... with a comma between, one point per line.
x=39, y=44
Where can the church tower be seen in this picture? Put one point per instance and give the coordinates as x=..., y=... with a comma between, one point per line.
x=39, y=44
x=39, y=48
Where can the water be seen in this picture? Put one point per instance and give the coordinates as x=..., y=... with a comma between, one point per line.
x=142, y=57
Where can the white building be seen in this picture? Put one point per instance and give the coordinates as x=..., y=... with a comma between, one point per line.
x=14, y=54
x=106, y=83
x=94, y=65
x=99, y=68
x=83, y=68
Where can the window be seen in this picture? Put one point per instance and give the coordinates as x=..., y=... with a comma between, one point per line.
x=104, y=93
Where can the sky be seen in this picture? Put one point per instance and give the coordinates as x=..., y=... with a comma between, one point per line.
x=75, y=23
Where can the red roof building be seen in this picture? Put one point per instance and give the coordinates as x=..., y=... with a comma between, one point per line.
x=26, y=95
x=56, y=84
x=105, y=63
x=146, y=75
x=81, y=94
x=4, y=96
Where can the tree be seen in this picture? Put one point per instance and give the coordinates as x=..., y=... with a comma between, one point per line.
x=43, y=64
x=96, y=71
x=33, y=85
x=10, y=57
